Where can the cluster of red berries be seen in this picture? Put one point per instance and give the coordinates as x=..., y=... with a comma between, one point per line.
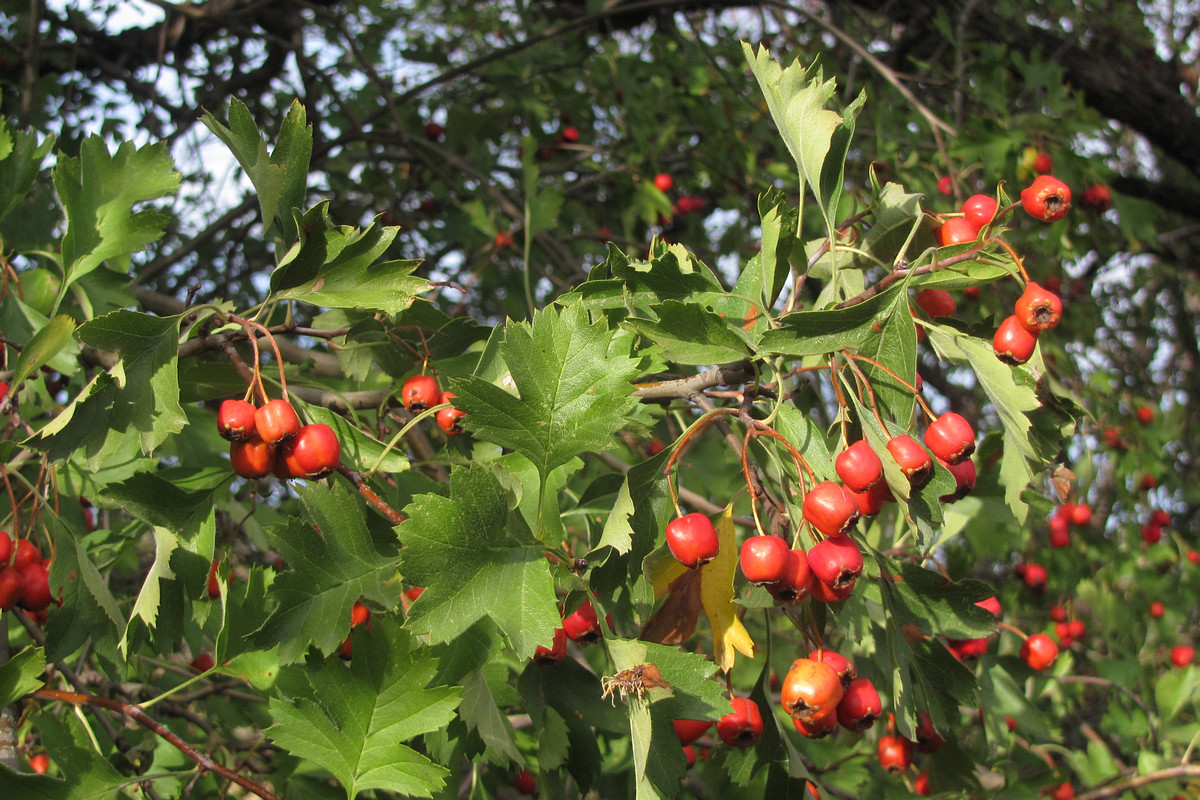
x=24, y=576
x=1152, y=530
x=581, y=626
x=1036, y=310
x=977, y=211
x=823, y=691
x=1063, y=517
x=421, y=392
x=895, y=752
x=270, y=440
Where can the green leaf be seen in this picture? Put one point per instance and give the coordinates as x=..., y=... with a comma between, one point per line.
x=670, y=274
x=22, y=674
x=481, y=714
x=86, y=774
x=810, y=333
x=45, y=345
x=140, y=393
x=180, y=499
x=934, y=604
x=20, y=166
x=689, y=333
x=281, y=178
x=360, y=451
x=98, y=191
x=463, y=550
x=89, y=610
x=332, y=563
x=353, y=722
x=574, y=393
x=335, y=266
x=780, y=224
x=1013, y=395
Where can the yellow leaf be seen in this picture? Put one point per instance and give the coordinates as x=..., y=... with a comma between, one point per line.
x=662, y=574
x=716, y=594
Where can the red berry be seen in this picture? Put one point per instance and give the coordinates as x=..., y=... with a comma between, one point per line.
x=1182, y=655
x=433, y=131
x=1160, y=518
x=763, y=558
x=956, y=230
x=1038, y=309
x=235, y=420
x=26, y=553
x=214, y=581
x=314, y=452
x=202, y=663
x=525, y=783
x=1039, y=651
x=692, y=539
x=557, y=650
x=663, y=182
x=1193, y=556
x=1151, y=533
x=1036, y=577
x=936, y=302
x=1097, y=198
x=1047, y=199
x=570, y=134
x=843, y=666
x=859, y=466
x=795, y=582
x=860, y=706
x=872, y=501
x=836, y=561
x=1157, y=610
x=1145, y=415
x=944, y=185
x=1064, y=791
x=895, y=753
x=252, y=458
x=583, y=625
x=928, y=739
x=448, y=418
x=979, y=210
x=951, y=438
x=921, y=785
x=689, y=730
x=830, y=508
x=1014, y=343
x=39, y=763
x=11, y=587
x=1081, y=514
x=1058, y=614
x=992, y=604
x=419, y=393
x=6, y=548
x=1060, y=536
x=811, y=690
x=964, y=480
x=503, y=240
x=1042, y=165
x=359, y=614
x=743, y=725
x=276, y=421
x=913, y=460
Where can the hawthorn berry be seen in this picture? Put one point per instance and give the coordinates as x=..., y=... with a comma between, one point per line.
x=991, y=604
x=1042, y=165
x=1151, y=533
x=235, y=420
x=525, y=783
x=583, y=626
x=1182, y=655
x=913, y=460
x=6, y=548
x=1039, y=651
x=39, y=763
x=763, y=558
x=692, y=539
x=26, y=553
x=419, y=393
x=836, y=561
x=964, y=480
x=742, y=726
x=859, y=467
x=1081, y=514
x=252, y=458
x=817, y=729
x=11, y=588
x=433, y=131
x=214, y=581
x=663, y=182
x=944, y=185
x=822, y=592
x=689, y=753
x=1145, y=415
x=811, y=690
x=313, y=452
x=1038, y=309
x=872, y=501
x=860, y=706
x=830, y=508
x=689, y=730
x=557, y=650
x=276, y=421
x=979, y=210
x=843, y=666
x=795, y=582
x=895, y=753
x=951, y=438
x=921, y=784
x=928, y=739
x=202, y=663
x=1064, y=791
x=936, y=302
x=956, y=230
x=448, y=418
x=1157, y=610
x=1047, y=199
x=1014, y=343
x=1035, y=577
x=1097, y=198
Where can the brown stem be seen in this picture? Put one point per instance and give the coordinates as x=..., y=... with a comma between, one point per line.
x=721, y=375
x=137, y=715
x=360, y=483
x=1138, y=781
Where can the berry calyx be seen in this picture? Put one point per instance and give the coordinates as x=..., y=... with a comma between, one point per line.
x=1013, y=343
x=913, y=460
x=860, y=706
x=313, y=453
x=951, y=438
x=235, y=420
x=979, y=210
x=692, y=539
x=895, y=753
x=1047, y=199
x=742, y=726
x=1039, y=651
x=811, y=690
x=830, y=508
x=763, y=559
x=276, y=421
x=448, y=418
x=836, y=562
x=419, y=393
x=936, y=302
x=1038, y=309
x=859, y=467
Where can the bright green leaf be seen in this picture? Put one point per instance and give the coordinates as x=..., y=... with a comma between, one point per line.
x=22, y=674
